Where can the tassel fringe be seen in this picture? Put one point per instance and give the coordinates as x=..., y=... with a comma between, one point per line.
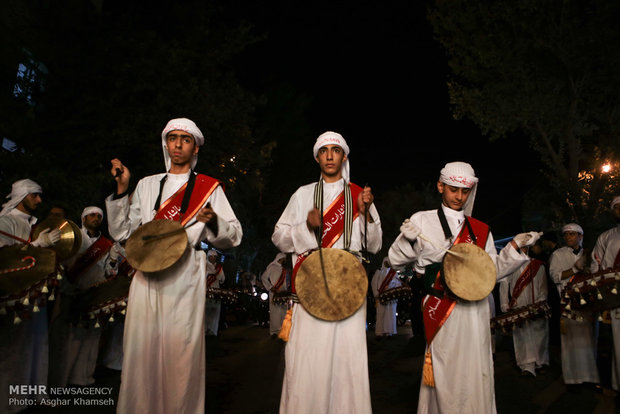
x=286, y=326
x=427, y=371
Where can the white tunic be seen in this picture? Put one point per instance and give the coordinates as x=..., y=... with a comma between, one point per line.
x=74, y=348
x=277, y=312
x=603, y=256
x=163, y=345
x=463, y=385
x=531, y=338
x=578, y=338
x=213, y=308
x=386, y=314
x=326, y=362
x=23, y=347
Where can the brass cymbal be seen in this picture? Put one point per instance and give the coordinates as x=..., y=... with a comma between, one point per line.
x=16, y=257
x=340, y=292
x=157, y=253
x=70, y=236
x=472, y=274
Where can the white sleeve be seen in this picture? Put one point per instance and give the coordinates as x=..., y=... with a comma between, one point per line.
x=291, y=234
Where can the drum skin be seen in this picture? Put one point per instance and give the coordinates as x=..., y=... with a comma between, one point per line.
x=471, y=275
x=336, y=293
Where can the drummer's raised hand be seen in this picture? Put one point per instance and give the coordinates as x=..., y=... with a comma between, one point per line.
x=121, y=174
x=207, y=215
x=313, y=221
x=365, y=199
x=410, y=230
x=526, y=239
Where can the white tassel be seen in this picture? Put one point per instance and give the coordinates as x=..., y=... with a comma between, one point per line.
x=111, y=318
x=17, y=320
x=97, y=324
x=35, y=308
x=51, y=297
x=45, y=289
x=26, y=301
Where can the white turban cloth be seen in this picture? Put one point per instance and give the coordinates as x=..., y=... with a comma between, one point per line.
x=572, y=227
x=181, y=124
x=334, y=138
x=461, y=174
x=615, y=201
x=90, y=210
x=19, y=191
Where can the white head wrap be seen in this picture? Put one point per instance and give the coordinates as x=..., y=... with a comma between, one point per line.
x=19, y=191
x=615, y=201
x=461, y=174
x=572, y=227
x=90, y=210
x=334, y=138
x=181, y=124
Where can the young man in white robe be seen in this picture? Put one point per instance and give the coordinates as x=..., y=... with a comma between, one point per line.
x=74, y=348
x=458, y=356
x=23, y=344
x=527, y=286
x=164, y=340
x=606, y=255
x=578, y=336
x=385, y=324
x=326, y=363
x=274, y=280
x=215, y=279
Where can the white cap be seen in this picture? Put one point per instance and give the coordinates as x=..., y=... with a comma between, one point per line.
x=90, y=210
x=615, y=201
x=572, y=227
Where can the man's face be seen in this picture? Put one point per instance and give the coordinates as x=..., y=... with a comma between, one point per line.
x=330, y=159
x=57, y=212
x=92, y=221
x=453, y=197
x=212, y=258
x=572, y=239
x=181, y=147
x=30, y=203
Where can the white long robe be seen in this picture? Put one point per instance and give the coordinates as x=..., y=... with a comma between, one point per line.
x=74, y=349
x=386, y=314
x=164, y=343
x=462, y=384
x=23, y=347
x=270, y=277
x=213, y=308
x=326, y=362
x=578, y=338
x=531, y=339
x=603, y=256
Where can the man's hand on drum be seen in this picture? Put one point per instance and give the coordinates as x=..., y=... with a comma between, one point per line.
x=364, y=200
x=313, y=221
x=121, y=174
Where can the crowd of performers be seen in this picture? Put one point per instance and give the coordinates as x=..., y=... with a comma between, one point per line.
x=155, y=332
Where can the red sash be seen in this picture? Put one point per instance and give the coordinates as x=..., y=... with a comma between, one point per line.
x=171, y=208
x=387, y=280
x=525, y=278
x=211, y=277
x=333, y=225
x=437, y=310
x=280, y=281
x=91, y=256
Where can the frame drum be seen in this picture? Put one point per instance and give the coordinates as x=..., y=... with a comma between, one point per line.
x=471, y=275
x=332, y=287
x=166, y=247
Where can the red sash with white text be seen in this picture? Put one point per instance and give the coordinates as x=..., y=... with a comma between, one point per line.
x=171, y=208
x=436, y=310
x=333, y=225
x=525, y=278
x=91, y=256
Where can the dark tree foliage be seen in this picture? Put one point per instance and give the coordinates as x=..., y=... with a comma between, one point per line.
x=546, y=71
